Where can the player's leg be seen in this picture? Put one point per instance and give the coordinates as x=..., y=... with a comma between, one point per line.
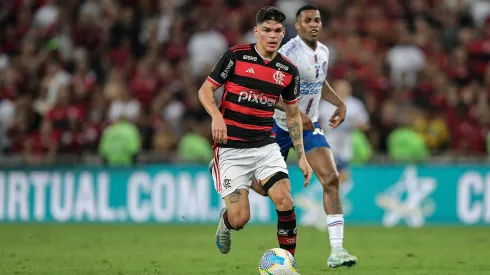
x=284, y=141
x=255, y=185
x=322, y=162
x=272, y=174
x=258, y=188
x=342, y=167
x=233, y=217
x=231, y=175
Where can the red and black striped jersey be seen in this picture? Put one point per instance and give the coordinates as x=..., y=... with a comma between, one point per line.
x=252, y=87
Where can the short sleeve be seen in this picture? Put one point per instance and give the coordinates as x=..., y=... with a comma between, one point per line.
x=223, y=69
x=290, y=95
x=289, y=50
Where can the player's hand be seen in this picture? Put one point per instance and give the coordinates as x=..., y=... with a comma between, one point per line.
x=218, y=127
x=307, y=123
x=338, y=116
x=306, y=169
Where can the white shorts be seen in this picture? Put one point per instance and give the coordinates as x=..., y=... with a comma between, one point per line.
x=234, y=168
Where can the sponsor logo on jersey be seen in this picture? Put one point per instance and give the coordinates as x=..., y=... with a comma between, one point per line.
x=281, y=66
x=310, y=88
x=290, y=50
x=296, y=81
x=224, y=73
x=256, y=98
x=248, y=57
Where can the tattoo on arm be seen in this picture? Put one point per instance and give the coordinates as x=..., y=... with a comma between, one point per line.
x=329, y=95
x=234, y=197
x=296, y=132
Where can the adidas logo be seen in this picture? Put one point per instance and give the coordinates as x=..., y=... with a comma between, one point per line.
x=251, y=70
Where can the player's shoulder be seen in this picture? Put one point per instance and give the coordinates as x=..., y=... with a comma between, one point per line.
x=238, y=50
x=323, y=48
x=241, y=48
x=285, y=64
x=290, y=48
x=243, y=52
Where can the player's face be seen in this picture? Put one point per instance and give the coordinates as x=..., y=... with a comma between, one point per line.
x=269, y=35
x=309, y=25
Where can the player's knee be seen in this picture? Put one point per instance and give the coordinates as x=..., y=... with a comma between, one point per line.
x=279, y=191
x=283, y=200
x=329, y=180
x=240, y=219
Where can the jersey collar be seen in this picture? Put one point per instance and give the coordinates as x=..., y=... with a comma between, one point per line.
x=303, y=44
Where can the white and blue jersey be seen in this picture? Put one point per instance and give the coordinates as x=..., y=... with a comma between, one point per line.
x=312, y=66
x=342, y=136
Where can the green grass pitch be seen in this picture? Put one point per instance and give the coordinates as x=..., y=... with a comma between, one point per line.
x=53, y=249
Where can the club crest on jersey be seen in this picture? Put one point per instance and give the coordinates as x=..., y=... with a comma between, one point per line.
x=279, y=77
x=324, y=67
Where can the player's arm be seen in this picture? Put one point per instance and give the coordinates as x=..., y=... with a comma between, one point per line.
x=216, y=79
x=329, y=95
x=206, y=96
x=280, y=105
x=295, y=127
x=290, y=97
x=305, y=119
x=288, y=54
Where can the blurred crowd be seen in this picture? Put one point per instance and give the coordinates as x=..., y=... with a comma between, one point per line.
x=71, y=69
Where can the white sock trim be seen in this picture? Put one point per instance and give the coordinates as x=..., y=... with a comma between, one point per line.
x=336, y=230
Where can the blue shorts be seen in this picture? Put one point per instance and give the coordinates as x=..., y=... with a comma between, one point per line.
x=311, y=139
x=341, y=164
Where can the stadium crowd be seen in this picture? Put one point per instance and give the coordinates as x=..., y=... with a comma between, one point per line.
x=69, y=69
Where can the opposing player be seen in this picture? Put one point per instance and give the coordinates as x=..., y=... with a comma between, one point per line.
x=341, y=138
x=255, y=77
x=311, y=59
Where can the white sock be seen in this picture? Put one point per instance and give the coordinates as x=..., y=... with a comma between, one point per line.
x=336, y=230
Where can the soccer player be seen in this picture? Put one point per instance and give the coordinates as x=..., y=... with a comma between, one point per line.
x=311, y=59
x=255, y=77
x=341, y=138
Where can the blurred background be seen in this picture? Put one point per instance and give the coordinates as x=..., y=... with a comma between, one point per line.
x=69, y=70
x=100, y=122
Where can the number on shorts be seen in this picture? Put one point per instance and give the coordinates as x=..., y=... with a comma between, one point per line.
x=318, y=131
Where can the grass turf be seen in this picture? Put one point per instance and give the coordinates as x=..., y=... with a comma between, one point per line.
x=88, y=249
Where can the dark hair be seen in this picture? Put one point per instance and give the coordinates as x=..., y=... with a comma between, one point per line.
x=305, y=8
x=269, y=13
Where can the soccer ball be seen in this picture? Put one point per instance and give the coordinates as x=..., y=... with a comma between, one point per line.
x=277, y=261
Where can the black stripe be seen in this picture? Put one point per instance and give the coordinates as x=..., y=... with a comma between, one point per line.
x=250, y=135
x=248, y=119
x=244, y=144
